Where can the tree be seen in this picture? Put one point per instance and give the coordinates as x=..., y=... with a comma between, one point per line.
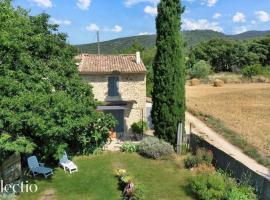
x=169, y=72
x=200, y=69
x=44, y=106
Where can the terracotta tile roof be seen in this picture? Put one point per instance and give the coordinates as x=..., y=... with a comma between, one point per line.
x=107, y=64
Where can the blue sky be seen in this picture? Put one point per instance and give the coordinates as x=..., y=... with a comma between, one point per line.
x=80, y=19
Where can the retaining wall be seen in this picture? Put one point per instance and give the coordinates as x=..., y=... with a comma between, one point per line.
x=234, y=167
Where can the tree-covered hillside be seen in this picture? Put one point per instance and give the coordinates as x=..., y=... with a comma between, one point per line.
x=148, y=41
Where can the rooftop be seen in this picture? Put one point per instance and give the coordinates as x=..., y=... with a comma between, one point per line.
x=108, y=64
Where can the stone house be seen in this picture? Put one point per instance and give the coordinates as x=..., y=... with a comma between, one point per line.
x=119, y=82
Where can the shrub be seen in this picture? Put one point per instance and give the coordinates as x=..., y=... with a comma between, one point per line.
x=97, y=151
x=242, y=192
x=190, y=161
x=218, y=186
x=138, y=193
x=152, y=147
x=200, y=70
x=129, y=147
x=7, y=196
x=204, y=168
x=202, y=156
x=208, y=187
x=252, y=70
x=139, y=127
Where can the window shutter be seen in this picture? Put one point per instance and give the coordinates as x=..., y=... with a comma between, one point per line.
x=113, y=86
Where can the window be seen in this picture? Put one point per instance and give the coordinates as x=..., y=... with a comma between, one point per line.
x=113, y=83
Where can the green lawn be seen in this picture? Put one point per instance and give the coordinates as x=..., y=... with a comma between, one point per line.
x=96, y=179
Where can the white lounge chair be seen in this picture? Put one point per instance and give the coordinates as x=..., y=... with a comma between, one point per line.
x=68, y=164
x=38, y=168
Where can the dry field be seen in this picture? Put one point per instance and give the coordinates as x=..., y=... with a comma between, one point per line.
x=244, y=108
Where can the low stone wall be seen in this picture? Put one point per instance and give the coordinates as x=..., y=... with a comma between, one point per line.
x=238, y=170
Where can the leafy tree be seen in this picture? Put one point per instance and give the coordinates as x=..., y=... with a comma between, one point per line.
x=232, y=55
x=264, y=50
x=200, y=70
x=169, y=72
x=218, y=52
x=44, y=106
x=252, y=70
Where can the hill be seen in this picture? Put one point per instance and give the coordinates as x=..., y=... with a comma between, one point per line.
x=148, y=41
x=250, y=34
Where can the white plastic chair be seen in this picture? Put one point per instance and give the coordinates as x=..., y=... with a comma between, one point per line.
x=68, y=164
x=38, y=168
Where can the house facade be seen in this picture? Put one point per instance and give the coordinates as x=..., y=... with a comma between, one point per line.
x=119, y=82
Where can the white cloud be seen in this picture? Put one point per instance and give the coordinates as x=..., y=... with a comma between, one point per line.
x=263, y=16
x=43, y=3
x=240, y=29
x=190, y=24
x=151, y=10
x=117, y=29
x=92, y=28
x=216, y=15
x=239, y=17
x=189, y=1
x=60, y=22
x=84, y=4
x=209, y=3
x=129, y=3
x=145, y=33
x=253, y=22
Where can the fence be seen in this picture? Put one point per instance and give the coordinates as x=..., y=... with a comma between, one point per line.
x=238, y=170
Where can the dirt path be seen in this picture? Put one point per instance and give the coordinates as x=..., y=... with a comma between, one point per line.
x=49, y=194
x=200, y=128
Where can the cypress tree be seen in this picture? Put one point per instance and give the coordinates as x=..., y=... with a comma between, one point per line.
x=169, y=72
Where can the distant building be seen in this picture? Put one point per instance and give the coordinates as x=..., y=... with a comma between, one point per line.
x=119, y=81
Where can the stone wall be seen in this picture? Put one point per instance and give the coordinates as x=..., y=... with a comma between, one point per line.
x=238, y=170
x=132, y=87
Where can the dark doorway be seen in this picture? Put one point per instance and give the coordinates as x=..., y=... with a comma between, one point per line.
x=119, y=116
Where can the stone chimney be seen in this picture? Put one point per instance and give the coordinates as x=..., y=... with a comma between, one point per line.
x=138, y=57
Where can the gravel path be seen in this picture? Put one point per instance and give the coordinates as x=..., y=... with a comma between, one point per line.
x=201, y=129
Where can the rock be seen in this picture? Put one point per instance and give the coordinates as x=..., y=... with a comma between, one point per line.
x=218, y=83
x=194, y=82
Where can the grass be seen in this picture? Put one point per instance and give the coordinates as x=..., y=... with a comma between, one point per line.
x=96, y=179
x=232, y=137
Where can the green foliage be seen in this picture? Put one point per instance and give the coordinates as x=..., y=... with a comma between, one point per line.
x=232, y=55
x=97, y=151
x=9, y=196
x=252, y=70
x=44, y=105
x=129, y=147
x=139, y=127
x=208, y=186
x=138, y=193
x=218, y=186
x=242, y=192
x=149, y=80
x=202, y=156
x=201, y=69
x=152, y=147
x=169, y=72
x=124, y=178
x=190, y=161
